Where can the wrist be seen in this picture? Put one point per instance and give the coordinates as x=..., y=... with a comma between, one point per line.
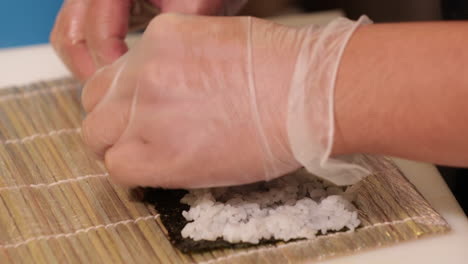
x=315, y=131
x=353, y=104
x=273, y=63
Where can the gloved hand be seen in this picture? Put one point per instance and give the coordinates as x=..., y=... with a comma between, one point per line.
x=207, y=101
x=89, y=34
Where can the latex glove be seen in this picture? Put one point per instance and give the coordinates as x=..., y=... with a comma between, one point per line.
x=206, y=101
x=89, y=34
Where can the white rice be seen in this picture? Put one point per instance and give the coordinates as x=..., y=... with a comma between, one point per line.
x=294, y=206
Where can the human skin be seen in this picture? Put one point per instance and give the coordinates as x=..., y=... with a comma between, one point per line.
x=388, y=100
x=89, y=34
x=402, y=90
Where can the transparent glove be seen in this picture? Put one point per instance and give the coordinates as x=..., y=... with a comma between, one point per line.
x=89, y=34
x=206, y=101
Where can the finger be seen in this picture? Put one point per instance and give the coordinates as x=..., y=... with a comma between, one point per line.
x=132, y=163
x=96, y=87
x=77, y=59
x=103, y=127
x=100, y=83
x=68, y=39
x=106, y=28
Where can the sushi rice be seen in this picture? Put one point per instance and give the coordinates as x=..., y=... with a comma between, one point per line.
x=291, y=207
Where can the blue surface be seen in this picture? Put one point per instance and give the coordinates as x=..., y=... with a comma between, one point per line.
x=26, y=22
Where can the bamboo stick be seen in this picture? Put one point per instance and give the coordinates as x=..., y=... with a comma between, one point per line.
x=58, y=205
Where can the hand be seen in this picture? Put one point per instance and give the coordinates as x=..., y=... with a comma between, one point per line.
x=203, y=101
x=89, y=34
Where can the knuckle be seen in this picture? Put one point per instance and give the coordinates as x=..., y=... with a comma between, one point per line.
x=117, y=177
x=114, y=172
x=66, y=44
x=93, y=136
x=164, y=22
x=87, y=94
x=148, y=74
x=168, y=17
x=65, y=40
x=63, y=48
x=95, y=88
x=85, y=131
x=116, y=168
x=86, y=100
x=94, y=133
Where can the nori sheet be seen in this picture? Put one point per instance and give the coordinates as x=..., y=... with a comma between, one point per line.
x=167, y=203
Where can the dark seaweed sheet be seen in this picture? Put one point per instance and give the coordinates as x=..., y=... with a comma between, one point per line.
x=167, y=203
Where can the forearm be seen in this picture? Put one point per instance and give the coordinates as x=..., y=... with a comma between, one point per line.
x=402, y=90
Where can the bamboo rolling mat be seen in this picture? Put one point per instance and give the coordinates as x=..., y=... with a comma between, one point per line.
x=57, y=204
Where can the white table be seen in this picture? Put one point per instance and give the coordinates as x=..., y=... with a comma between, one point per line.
x=30, y=64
